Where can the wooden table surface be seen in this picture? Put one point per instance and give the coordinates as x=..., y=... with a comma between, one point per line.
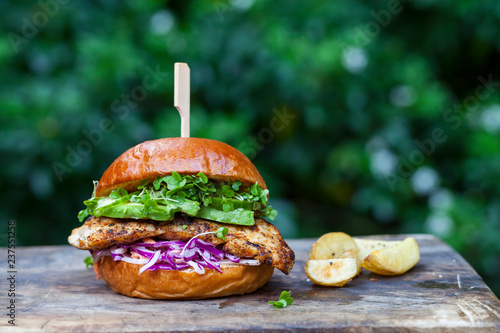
x=55, y=292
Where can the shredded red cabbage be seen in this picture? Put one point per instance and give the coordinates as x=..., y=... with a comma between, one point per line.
x=173, y=255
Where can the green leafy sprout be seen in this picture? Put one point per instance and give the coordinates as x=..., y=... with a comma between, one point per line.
x=284, y=300
x=194, y=195
x=88, y=261
x=221, y=233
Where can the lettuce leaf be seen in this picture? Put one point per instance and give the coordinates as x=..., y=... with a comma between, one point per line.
x=238, y=216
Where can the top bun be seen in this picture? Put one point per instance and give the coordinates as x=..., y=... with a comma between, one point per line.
x=158, y=158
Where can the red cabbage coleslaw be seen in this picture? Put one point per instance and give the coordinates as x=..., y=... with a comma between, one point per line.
x=152, y=255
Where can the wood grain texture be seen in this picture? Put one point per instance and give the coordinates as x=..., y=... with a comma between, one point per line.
x=442, y=293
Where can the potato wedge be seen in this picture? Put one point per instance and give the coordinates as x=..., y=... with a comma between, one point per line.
x=332, y=245
x=367, y=246
x=332, y=272
x=394, y=260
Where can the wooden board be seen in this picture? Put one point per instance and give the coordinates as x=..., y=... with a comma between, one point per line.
x=56, y=293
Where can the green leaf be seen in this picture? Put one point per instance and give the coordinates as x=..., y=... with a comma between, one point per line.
x=88, y=261
x=203, y=178
x=108, y=202
x=184, y=227
x=157, y=183
x=135, y=198
x=172, y=183
x=142, y=184
x=234, y=204
x=156, y=210
x=91, y=203
x=263, y=196
x=176, y=176
x=227, y=205
x=255, y=189
x=236, y=185
x=149, y=205
x=284, y=300
x=269, y=212
x=122, y=192
x=285, y=295
x=278, y=304
x=226, y=190
x=237, y=216
x=207, y=200
x=117, y=194
x=83, y=214
x=221, y=233
x=145, y=198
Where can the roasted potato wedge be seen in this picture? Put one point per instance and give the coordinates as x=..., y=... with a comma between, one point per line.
x=393, y=260
x=367, y=246
x=332, y=245
x=333, y=272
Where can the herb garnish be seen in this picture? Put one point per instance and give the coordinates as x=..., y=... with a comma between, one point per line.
x=284, y=300
x=194, y=195
x=221, y=233
x=88, y=261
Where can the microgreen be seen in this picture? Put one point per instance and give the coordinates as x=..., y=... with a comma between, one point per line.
x=83, y=214
x=184, y=227
x=202, y=177
x=143, y=184
x=268, y=211
x=227, y=205
x=117, y=194
x=284, y=300
x=135, y=198
x=236, y=185
x=221, y=232
x=88, y=261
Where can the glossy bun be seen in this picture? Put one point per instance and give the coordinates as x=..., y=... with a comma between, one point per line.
x=124, y=279
x=158, y=158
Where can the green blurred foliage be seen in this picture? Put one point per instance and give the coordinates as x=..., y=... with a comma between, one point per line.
x=365, y=84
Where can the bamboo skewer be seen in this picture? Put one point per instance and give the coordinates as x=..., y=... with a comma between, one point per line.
x=182, y=93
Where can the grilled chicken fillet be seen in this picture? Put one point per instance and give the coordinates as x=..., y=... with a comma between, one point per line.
x=261, y=241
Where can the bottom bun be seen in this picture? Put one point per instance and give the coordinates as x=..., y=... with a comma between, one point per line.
x=124, y=279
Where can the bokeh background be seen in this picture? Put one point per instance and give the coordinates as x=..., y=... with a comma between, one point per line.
x=368, y=117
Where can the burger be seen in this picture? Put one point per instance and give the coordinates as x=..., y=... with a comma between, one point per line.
x=182, y=218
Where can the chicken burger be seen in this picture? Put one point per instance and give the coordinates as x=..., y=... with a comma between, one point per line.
x=182, y=218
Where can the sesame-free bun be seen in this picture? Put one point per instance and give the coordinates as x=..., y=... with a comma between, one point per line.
x=124, y=279
x=158, y=158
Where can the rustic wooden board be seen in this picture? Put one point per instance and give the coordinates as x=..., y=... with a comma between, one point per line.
x=56, y=293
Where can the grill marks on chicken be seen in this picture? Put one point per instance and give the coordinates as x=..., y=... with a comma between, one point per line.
x=101, y=232
x=261, y=241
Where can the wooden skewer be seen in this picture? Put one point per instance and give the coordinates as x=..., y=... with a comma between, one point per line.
x=182, y=93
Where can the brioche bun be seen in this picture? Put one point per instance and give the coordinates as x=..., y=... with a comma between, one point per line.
x=124, y=279
x=158, y=158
